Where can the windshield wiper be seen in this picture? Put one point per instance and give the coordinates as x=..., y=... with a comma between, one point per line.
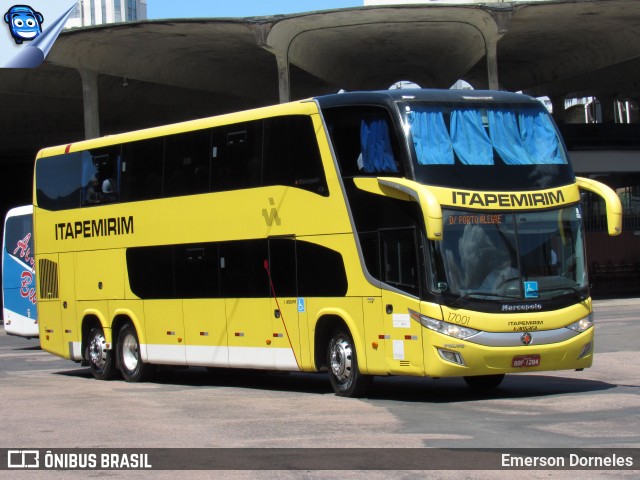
x=581, y=294
x=482, y=294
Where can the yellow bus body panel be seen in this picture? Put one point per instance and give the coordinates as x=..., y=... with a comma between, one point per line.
x=517, y=322
x=268, y=332
x=483, y=360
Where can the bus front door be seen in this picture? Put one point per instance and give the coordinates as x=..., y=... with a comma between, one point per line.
x=400, y=267
x=403, y=336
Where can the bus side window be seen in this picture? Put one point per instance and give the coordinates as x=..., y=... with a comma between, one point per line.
x=151, y=271
x=321, y=271
x=186, y=163
x=239, y=156
x=196, y=271
x=291, y=155
x=101, y=175
x=364, y=141
x=399, y=259
x=344, y=133
x=58, y=181
x=282, y=266
x=142, y=169
x=242, y=272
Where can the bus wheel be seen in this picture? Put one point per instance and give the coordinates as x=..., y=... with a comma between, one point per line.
x=131, y=365
x=484, y=382
x=345, y=377
x=100, y=359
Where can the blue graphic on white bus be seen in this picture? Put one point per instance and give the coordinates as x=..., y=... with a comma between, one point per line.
x=25, y=24
x=18, y=274
x=21, y=278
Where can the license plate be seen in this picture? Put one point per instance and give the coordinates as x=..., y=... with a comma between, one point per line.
x=525, y=361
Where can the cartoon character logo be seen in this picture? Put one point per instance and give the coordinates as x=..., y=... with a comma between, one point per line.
x=24, y=23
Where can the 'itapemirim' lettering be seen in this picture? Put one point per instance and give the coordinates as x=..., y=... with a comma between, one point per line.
x=508, y=199
x=104, y=227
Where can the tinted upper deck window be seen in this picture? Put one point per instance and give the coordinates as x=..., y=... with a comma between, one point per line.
x=58, y=181
x=365, y=141
x=486, y=146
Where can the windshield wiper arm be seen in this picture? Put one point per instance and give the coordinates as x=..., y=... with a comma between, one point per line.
x=581, y=294
x=482, y=294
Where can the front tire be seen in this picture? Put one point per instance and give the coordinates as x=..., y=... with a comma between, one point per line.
x=344, y=374
x=131, y=365
x=100, y=359
x=484, y=382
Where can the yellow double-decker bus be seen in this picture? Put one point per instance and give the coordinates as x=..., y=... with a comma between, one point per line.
x=423, y=232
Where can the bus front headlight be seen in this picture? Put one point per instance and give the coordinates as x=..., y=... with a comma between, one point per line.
x=583, y=324
x=450, y=329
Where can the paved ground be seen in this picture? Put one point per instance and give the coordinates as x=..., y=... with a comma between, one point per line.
x=53, y=403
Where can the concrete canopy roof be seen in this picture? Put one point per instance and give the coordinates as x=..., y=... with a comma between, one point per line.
x=555, y=46
x=180, y=69
x=571, y=48
x=372, y=48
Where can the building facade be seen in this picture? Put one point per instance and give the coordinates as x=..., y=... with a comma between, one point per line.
x=100, y=12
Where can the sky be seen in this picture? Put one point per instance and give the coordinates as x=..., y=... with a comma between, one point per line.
x=157, y=9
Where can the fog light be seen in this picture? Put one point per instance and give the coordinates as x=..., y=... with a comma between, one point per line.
x=449, y=356
x=585, y=350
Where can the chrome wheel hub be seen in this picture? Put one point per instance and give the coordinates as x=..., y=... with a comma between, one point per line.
x=98, y=351
x=130, y=355
x=341, y=355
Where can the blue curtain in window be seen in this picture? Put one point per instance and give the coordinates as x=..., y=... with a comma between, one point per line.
x=430, y=137
x=505, y=135
x=469, y=138
x=377, y=155
x=540, y=138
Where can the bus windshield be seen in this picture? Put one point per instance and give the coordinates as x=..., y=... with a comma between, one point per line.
x=511, y=256
x=500, y=146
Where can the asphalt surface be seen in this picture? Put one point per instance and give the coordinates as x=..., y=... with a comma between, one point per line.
x=51, y=403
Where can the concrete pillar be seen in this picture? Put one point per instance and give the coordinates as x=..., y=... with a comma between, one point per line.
x=492, y=63
x=90, y=100
x=607, y=107
x=502, y=19
x=284, y=79
x=282, y=59
x=557, y=103
x=634, y=104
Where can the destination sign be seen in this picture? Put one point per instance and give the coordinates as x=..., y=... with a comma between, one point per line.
x=488, y=219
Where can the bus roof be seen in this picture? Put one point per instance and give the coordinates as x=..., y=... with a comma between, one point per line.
x=381, y=97
x=16, y=211
x=421, y=95
x=299, y=107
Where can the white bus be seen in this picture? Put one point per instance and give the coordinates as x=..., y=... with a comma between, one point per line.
x=18, y=274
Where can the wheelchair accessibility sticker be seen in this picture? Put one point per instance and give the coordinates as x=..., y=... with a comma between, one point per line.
x=530, y=289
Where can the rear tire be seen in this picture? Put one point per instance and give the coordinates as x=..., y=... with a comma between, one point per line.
x=131, y=365
x=342, y=361
x=484, y=382
x=100, y=359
